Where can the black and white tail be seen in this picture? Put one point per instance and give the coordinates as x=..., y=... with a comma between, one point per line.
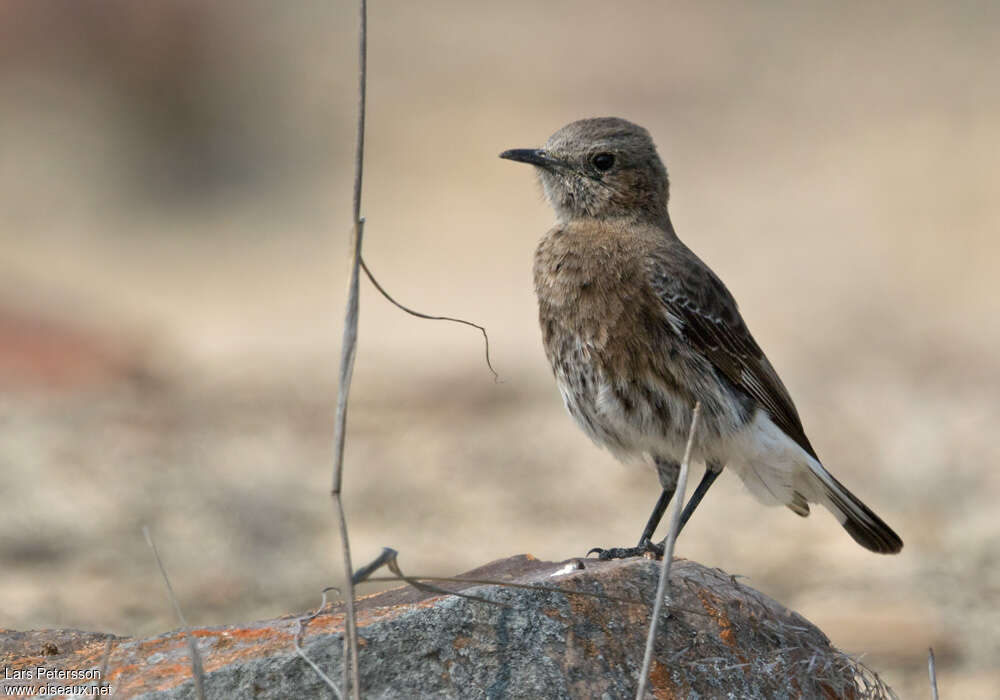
x=867, y=529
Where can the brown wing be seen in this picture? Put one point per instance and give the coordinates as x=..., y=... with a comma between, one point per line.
x=706, y=316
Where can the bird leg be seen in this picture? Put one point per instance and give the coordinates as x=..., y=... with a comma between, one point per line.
x=712, y=471
x=667, y=471
x=668, y=479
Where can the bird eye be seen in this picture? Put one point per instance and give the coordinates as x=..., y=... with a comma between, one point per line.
x=603, y=161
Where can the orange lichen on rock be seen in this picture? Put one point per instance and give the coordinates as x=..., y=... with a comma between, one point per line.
x=710, y=603
x=660, y=683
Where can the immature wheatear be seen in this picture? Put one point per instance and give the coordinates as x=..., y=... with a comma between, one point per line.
x=638, y=329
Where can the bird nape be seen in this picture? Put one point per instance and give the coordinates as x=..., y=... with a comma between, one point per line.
x=638, y=329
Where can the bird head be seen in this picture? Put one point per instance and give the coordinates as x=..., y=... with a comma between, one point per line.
x=604, y=168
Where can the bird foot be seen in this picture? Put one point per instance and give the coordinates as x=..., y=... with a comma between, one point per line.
x=645, y=548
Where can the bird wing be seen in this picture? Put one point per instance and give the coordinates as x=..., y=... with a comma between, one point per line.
x=700, y=309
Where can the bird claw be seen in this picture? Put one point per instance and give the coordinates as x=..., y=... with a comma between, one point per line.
x=645, y=548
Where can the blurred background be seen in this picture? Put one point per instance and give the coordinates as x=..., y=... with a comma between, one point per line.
x=175, y=204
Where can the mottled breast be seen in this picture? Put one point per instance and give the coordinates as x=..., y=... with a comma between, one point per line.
x=607, y=336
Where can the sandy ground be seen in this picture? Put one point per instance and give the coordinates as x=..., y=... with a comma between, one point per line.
x=836, y=165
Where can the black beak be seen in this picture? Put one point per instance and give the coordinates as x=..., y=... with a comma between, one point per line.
x=534, y=156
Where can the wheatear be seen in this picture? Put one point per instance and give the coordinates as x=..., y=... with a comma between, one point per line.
x=638, y=329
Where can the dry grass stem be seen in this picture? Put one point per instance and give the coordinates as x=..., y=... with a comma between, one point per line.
x=418, y=314
x=303, y=623
x=388, y=558
x=668, y=554
x=932, y=672
x=364, y=573
x=106, y=664
x=348, y=350
x=197, y=672
x=416, y=582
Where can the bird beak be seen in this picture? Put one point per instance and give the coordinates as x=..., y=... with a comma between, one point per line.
x=534, y=156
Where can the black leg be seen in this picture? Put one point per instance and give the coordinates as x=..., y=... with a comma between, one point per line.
x=667, y=472
x=712, y=471
x=654, y=518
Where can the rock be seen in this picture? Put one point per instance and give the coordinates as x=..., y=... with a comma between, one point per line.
x=717, y=638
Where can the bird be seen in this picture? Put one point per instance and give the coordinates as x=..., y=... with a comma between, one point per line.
x=638, y=330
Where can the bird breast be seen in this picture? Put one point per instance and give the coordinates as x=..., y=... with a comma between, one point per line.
x=612, y=349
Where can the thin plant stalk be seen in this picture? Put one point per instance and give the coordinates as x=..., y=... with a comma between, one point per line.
x=668, y=554
x=197, y=670
x=932, y=673
x=347, y=353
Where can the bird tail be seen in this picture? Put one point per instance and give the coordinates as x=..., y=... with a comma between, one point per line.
x=867, y=529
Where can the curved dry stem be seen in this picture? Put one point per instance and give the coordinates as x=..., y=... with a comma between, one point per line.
x=303, y=623
x=418, y=314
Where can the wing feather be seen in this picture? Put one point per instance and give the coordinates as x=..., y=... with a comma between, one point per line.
x=711, y=324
